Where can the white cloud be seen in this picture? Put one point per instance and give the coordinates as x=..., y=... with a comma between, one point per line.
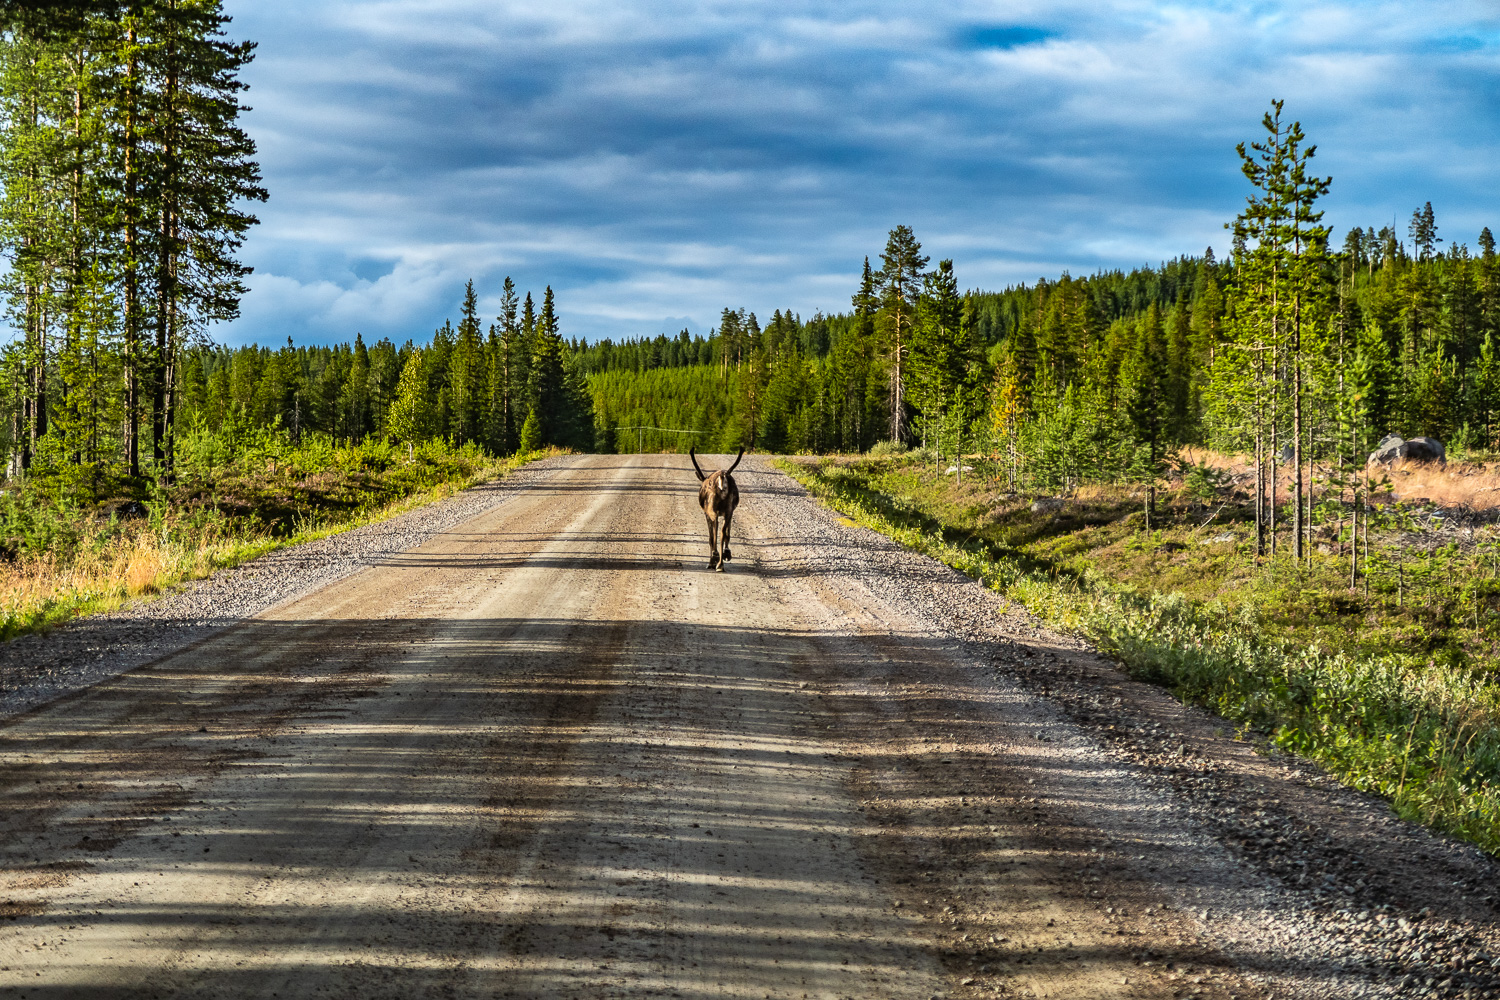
x=669, y=159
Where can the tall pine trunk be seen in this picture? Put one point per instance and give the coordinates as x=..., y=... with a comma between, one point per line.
x=132, y=348
x=165, y=279
x=1298, y=521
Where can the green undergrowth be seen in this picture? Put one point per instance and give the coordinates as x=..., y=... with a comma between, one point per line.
x=232, y=500
x=1420, y=730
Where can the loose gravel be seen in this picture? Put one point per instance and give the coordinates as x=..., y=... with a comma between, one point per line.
x=36, y=669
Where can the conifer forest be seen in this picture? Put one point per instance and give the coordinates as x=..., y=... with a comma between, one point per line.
x=128, y=190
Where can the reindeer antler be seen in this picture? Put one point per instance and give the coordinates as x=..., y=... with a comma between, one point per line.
x=736, y=462
x=694, y=457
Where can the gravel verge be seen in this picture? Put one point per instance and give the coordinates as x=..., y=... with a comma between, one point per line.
x=39, y=668
x=1344, y=897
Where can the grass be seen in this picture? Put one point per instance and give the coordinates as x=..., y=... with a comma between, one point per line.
x=1394, y=694
x=233, y=501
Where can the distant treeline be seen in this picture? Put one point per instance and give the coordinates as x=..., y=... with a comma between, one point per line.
x=514, y=386
x=1292, y=350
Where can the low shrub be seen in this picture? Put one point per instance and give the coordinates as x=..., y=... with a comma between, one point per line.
x=885, y=449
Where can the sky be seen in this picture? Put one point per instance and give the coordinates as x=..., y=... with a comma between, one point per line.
x=657, y=162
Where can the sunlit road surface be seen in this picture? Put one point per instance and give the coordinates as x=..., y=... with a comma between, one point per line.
x=546, y=754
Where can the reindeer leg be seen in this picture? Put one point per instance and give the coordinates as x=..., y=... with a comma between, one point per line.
x=724, y=539
x=713, y=542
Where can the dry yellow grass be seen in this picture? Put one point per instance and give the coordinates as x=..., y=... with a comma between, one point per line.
x=134, y=567
x=1459, y=484
x=1473, y=485
x=1095, y=492
x=143, y=565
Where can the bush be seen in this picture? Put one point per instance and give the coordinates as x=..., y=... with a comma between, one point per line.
x=886, y=449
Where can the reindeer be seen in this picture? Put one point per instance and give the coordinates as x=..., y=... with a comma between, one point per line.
x=718, y=496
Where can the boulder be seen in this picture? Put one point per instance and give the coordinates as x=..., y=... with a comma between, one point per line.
x=1419, y=449
x=1046, y=505
x=1387, y=451
x=1425, y=449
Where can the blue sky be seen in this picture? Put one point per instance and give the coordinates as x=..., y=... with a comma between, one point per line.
x=656, y=162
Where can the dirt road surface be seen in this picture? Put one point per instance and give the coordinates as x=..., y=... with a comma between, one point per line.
x=547, y=754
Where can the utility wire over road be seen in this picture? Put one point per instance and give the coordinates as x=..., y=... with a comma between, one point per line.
x=642, y=428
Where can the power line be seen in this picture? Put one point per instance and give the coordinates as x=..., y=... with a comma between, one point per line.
x=641, y=430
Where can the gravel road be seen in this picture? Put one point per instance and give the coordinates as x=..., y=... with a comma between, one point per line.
x=522, y=744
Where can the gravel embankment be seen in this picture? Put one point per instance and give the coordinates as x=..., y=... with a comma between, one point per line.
x=1350, y=900
x=36, y=669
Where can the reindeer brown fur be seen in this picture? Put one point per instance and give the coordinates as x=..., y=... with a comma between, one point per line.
x=718, y=496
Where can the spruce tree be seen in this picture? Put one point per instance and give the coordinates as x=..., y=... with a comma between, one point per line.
x=1145, y=393
x=1423, y=231
x=467, y=380
x=532, y=436
x=504, y=335
x=1180, y=370
x=944, y=368
x=548, y=390
x=354, y=400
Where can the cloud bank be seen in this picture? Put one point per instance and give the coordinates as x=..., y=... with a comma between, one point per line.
x=657, y=162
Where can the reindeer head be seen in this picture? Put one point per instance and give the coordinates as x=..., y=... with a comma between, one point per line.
x=719, y=481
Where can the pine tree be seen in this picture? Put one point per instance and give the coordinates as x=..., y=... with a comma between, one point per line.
x=1282, y=294
x=201, y=170
x=1489, y=284
x=1424, y=232
x=897, y=284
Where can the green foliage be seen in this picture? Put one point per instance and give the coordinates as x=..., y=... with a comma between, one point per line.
x=126, y=181
x=532, y=438
x=885, y=449
x=1202, y=482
